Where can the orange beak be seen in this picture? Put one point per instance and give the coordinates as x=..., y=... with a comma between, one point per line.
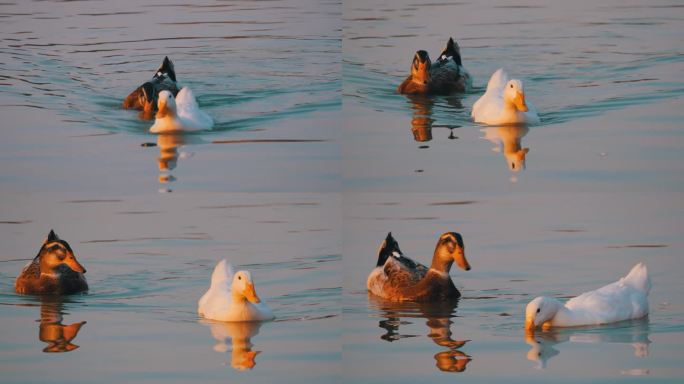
x=162, y=109
x=75, y=265
x=529, y=325
x=519, y=102
x=250, y=294
x=461, y=260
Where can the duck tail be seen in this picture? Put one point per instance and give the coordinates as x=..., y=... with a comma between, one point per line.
x=387, y=248
x=186, y=97
x=223, y=272
x=498, y=80
x=167, y=68
x=452, y=49
x=638, y=278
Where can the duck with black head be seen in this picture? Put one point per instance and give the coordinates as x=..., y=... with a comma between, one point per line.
x=144, y=98
x=54, y=271
x=399, y=278
x=443, y=77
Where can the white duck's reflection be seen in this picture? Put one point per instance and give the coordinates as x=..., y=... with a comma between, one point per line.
x=236, y=338
x=507, y=140
x=169, y=145
x=542, y=343
x=58, y=336
x=438, y=316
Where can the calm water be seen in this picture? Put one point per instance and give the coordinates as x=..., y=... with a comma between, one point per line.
x=301, y=188
x=600, y=188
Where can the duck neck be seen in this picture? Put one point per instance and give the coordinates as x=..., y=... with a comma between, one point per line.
x=441, y=264
x=509, y=107
x=239, y=298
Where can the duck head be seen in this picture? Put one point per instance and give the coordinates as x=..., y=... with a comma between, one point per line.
x=243, y=287
x=166, y=105
x=514, y=94
x=539, y=311
x=420, y=69
x=56, y=252
x=450, y=249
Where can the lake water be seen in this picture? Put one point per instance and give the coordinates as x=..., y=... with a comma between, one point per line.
x=313, y=159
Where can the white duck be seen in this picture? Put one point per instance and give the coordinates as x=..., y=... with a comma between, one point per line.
x=180, y=113
x=232, y=297
x=504, y=103
x=624, y=299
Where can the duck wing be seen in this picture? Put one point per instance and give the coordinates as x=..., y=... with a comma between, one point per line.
x=403, y=271
x=491, y=103
x=218, y=298
x=614, y=302
x=190, y=113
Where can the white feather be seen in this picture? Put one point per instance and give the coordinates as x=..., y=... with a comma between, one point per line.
x=184, y=114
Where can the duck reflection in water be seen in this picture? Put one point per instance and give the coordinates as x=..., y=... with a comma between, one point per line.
x=236, y=337
x=508, y=140
x=169, y=144
x=422, y=122
x=57, y=335
x=634, y=332
x=438, y=316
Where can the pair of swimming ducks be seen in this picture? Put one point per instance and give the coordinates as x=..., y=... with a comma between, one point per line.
x=174, y=110
x=55, y=271
x=396, y=277
x=503, y=103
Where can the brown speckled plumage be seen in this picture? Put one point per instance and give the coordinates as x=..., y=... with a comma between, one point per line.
x=53, y=271
x=402, y=279
x=443, y=77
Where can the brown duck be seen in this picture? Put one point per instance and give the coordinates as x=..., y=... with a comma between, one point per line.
x=398, y=278
x=145, y=97
x=54, y=270
x=443, y=77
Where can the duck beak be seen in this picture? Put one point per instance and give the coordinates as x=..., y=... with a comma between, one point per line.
x=251, y=295
x=519, y=102
x=529, y=325
x=75, y=265
x=461, y=260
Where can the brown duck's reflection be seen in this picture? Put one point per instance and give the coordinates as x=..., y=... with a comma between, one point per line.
x=422, y=122
x=57, y=335
x=236, y=337
x=633, y=332
x=438, y=316
x=508, y=141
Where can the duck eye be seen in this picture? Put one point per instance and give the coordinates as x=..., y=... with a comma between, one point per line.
x=511, y=85
x=240, y=278
x=538, y=310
